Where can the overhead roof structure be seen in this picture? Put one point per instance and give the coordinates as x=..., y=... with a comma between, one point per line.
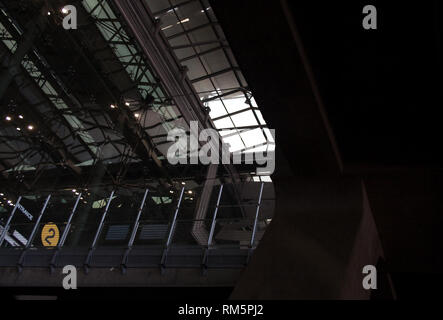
x=96, y=96
x=193, y=32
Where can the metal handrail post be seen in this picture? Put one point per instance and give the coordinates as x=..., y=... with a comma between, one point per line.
x=171, y=231
x=97, y=234
x=100, y=227
x=68, y=224
x=211, y=233
x=65, y=234
x=174, y=221
x=137, y=220
x=133, y=233
x=34, y=230
x=256, y=215
x=32, y=236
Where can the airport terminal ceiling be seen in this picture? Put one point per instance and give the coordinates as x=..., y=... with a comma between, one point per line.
x=85, y=116
x=92, y=97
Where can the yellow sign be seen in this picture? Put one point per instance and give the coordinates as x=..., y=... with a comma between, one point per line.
x=50, y=235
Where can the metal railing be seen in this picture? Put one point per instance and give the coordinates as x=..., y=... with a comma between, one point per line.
x=215, y=242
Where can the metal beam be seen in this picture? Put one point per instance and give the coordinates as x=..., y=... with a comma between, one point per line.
x=214, y=74
x=33, y=94
x=192, y=30
x=13, y=63
x=133, y=132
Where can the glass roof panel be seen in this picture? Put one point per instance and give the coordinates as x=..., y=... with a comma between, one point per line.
x=253, y=137
x=244, y=119
x=224, y=123
x=217, y=109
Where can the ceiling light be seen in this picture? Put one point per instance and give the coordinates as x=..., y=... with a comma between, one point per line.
x=19, y=129
x=64, y=10
x=20, y=116
x=170, y=191
x=8, y=118
x=183, y=183
x=127, y=104
x=137, y=115
x=49, y=13
x=190, y=191
x=167, y=27
x=183, y=21
x=30, y=127
x=113, y=106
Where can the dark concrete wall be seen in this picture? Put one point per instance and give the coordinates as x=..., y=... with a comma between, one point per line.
x=315, y=248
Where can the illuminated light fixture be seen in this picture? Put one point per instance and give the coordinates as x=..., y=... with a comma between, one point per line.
x=8, y=118
x=77, y=193
x=113, y=106
x=183, y=21
x=2, y=194
x=49, y=13
x=127, y=104
x=30, y=127
x=170, y=191
x=19, y=129
x=74, y=190
x=137, y=115
x=9, y=201
x=167, y=27
x=64, y=10
x=20, y=116
x=190, y=191
x=183, y=183
x=191, y=199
